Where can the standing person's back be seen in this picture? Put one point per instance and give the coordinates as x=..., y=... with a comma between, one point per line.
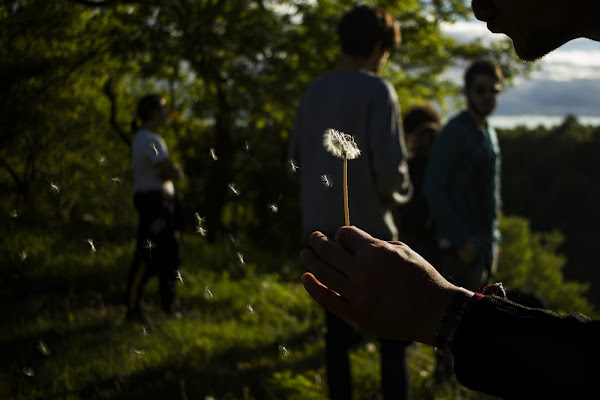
x=361, y=104
x=355, y=100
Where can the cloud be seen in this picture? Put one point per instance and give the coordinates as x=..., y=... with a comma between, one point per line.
x=551, y=97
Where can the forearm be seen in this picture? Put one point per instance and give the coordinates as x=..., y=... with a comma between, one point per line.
x=512, y=351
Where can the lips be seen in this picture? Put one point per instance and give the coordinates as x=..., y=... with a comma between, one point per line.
x=484, y=10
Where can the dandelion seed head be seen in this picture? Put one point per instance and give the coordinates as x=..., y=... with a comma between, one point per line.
x=43, y=349
x=283, y=350
x=293, y=166
x=213, y=154
x=340, y=144
x=13, y=213
x=234, y=190
x=327, y=181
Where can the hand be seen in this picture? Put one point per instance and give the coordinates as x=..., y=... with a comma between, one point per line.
x=384, y=288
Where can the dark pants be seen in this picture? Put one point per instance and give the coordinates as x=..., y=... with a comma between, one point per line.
x=158, y=248
x=340, y=338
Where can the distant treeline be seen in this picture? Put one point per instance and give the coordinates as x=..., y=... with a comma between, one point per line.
x=551, y=177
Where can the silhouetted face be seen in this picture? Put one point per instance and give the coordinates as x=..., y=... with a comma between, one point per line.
x=482, y=94
x=536, y=27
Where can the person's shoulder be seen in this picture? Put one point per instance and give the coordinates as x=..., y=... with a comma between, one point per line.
x=458, y=122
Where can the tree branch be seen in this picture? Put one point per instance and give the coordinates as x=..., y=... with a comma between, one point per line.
x=110, y=93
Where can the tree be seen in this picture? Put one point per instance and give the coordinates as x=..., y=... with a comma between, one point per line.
x=233, y=71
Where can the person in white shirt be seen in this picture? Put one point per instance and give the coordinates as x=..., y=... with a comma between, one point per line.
x=158, y=239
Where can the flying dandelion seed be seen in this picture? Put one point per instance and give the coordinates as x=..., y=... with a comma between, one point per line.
x=241, y=258
x=149, y=246
x=234, y=190
x=246, y=146
x=273, y=206
x=54, y=187
x=43, y=349
x=250, y=308
x=140, y=352
x=153, y=147
x=22, y=255
x=179, y=277
x=283, y=350
x=144, y=331
x=91, y=243
x=199, y=224
x=213, y=154
x=327, y=181
x=342, y=145
x=101, y=158
x=28, y=371
x=13, y=213
x=116, y=179
x=293, y=166
x=234, y=241
x=207, y=290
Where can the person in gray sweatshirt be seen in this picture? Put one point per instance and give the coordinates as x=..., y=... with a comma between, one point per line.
x=355, y=100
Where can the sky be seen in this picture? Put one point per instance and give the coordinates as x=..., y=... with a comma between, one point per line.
x=566, y=81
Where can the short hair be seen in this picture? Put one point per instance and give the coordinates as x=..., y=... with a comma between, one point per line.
x=483, y=67
x=423, y=123
x=363, y=26
x=418, y=114
x=147, y=105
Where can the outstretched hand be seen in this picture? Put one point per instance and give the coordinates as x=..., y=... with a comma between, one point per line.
x=384, y=288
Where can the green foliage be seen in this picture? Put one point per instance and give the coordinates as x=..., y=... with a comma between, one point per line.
x=549, y=176
x=530, y=261
x=251, y=337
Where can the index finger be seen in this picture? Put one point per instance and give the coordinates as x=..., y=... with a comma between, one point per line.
x=330, y=252
x=352, y=238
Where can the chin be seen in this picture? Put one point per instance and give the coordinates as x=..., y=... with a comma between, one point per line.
x=532, y=50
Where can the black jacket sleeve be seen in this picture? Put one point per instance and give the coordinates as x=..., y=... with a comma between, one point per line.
x=514, y=352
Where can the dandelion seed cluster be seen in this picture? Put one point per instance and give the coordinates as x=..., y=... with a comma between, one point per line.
x=340, y=144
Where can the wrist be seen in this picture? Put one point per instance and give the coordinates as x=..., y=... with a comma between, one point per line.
x=460, y=300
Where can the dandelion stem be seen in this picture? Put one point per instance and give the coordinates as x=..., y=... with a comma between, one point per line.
x=346, y=210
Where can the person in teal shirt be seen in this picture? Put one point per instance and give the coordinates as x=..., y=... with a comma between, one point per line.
x=462, y=188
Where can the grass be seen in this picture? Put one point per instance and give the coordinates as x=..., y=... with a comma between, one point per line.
x=249, y=331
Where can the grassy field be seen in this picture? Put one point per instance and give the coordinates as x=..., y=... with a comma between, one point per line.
x=249, y=330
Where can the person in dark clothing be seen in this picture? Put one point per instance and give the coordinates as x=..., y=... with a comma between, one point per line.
x=353, y=98
x=422, y=124
x=158, y=247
